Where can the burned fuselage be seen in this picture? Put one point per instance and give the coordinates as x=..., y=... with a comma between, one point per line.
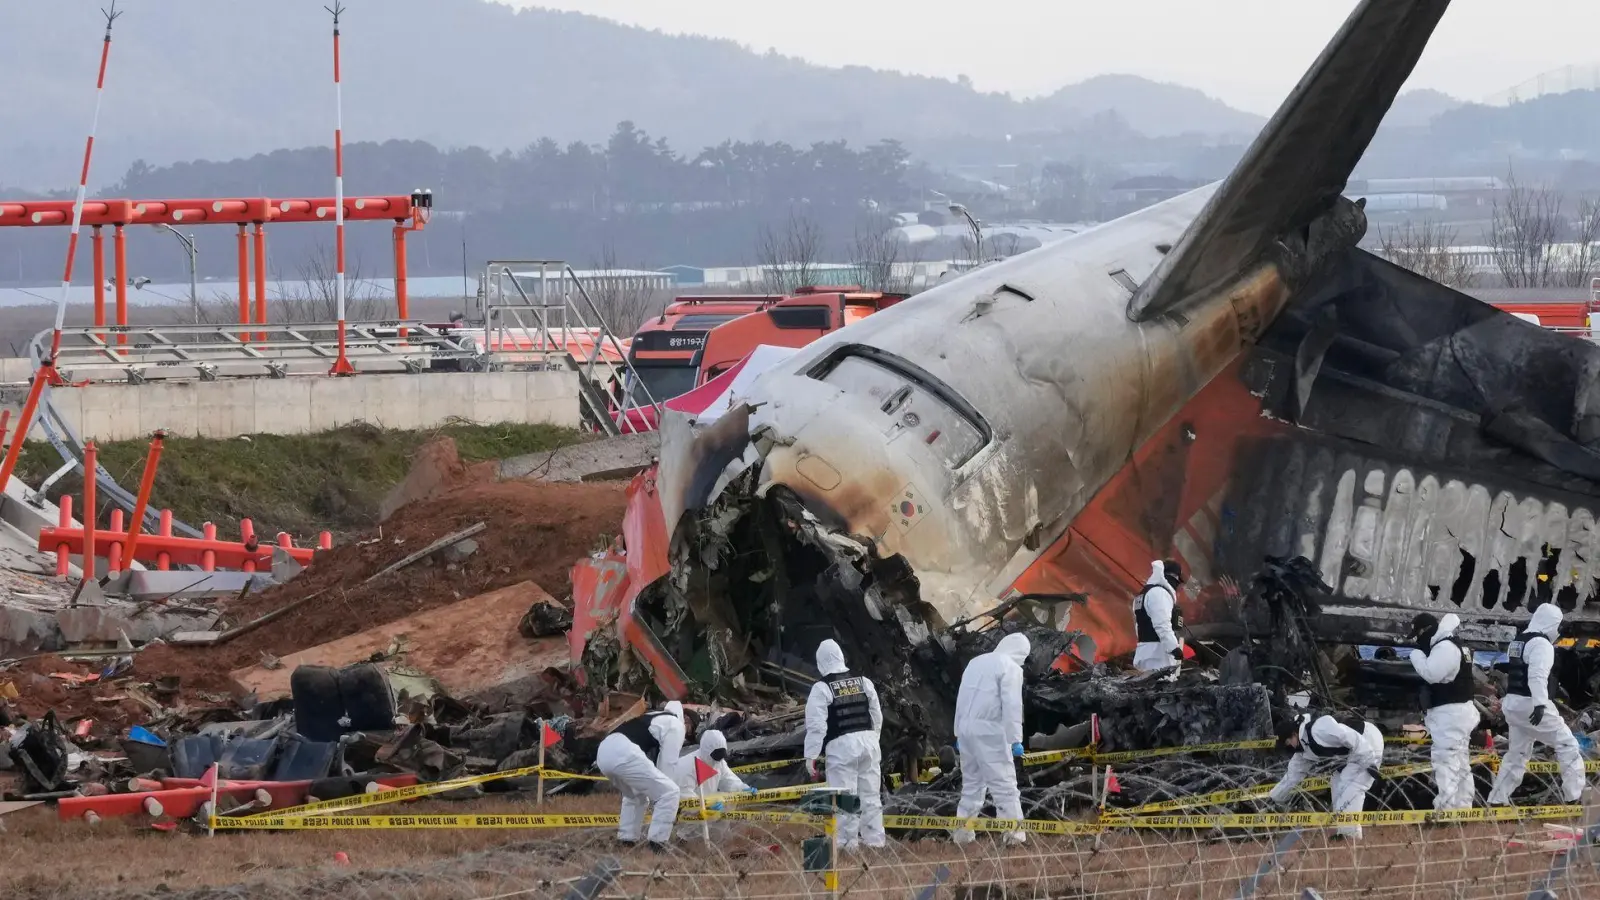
x=918, y=465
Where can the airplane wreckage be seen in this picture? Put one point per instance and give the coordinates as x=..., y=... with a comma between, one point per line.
x=1222, y=378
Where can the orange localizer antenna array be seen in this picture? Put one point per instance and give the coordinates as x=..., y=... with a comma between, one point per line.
x=341, y=365
x=46, y=372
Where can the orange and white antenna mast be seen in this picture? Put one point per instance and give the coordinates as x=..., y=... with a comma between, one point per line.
x=341, y=365
x=46, y=372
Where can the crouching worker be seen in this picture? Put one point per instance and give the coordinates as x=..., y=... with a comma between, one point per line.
x=1530, y=714
x=1321, y=739
x=639, y=758
x=843, y=720
x=705, y=771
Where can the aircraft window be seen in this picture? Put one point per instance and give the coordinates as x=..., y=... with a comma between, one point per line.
x=799, y=316
x=910, y=400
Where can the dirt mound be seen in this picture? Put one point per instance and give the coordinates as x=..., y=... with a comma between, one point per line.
x=535, y=531
x=436, y=469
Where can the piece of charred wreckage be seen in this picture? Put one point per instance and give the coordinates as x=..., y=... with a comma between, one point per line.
x=1219, y=378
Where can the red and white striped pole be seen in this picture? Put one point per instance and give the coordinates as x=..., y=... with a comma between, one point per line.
x=46, y=373
x=341, y=365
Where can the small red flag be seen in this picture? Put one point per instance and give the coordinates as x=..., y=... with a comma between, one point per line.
x=551, y=736
x=702, y=772
x=1188, y=652
x=1113, y=786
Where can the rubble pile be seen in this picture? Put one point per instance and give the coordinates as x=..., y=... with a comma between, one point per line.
x=534, y=532
x=399, y=652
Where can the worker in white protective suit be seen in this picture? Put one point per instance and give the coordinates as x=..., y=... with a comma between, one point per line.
x=843, y=721
x=1153, y=610
x=640, y=758
x=713, y=755
x=1530, y=714
x=989, y=733
x=1450, y=714
x=1320, y=739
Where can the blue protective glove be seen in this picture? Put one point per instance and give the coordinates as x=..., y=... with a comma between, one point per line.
x=715, y=807
x=752, y=791
x=1016, y=749
x=955, y=745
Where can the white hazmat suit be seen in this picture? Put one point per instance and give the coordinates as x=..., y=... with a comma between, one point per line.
x=641, y=780
x=724, y=782
x=713, y=752
x=1535, y=650
x=1449, y=724
x=989, y=732
x=1157, y=640
x=843, y=721
x=1326, y=739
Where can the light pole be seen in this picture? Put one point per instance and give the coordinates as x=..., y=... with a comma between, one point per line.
x=194, y=279
x=977, y=232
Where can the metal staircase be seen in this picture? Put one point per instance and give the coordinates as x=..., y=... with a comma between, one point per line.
x=558, y=323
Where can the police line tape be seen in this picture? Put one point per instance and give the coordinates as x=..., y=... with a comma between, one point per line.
x=1045, y=757
x=916, y=823
x=419, y=791
x=1261, y=791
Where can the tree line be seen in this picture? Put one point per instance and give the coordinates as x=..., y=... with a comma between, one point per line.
x=633, y=197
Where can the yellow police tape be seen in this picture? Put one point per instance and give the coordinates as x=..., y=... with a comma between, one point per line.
x=1260, y=791
x=915, y=823
x=1091, y=754
x=415, y=792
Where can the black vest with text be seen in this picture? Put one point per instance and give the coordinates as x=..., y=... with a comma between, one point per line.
x=1145, y=627
x=638, y=731
x=1310, y=743
x=1457, y=690
x=850, y=710
x=1517, y=665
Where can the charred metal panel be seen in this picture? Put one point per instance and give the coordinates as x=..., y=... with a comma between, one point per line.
x=1389, y=532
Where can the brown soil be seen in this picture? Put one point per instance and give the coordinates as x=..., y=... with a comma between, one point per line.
x=536, y=531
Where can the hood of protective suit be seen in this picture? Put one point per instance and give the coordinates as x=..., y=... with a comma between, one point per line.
x=1014, y=647
x=675, y=708
x=830, y=659
x=1158, y=575
x=1546, y=620
x=1447, y=627
x=711, y=740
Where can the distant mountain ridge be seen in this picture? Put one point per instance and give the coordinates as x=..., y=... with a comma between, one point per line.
x=195, y=79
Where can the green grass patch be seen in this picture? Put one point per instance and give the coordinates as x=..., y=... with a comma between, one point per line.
x=301, y=484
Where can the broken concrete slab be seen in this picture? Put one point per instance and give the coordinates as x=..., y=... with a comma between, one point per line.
x=471, y=648
x=24, y=631
x=105, y=624
x=156, y=585
x=610, y=459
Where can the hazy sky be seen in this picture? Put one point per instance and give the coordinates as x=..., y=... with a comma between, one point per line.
x=1248, y=52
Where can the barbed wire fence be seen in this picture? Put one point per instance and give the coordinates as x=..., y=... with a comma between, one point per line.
x=754, y=860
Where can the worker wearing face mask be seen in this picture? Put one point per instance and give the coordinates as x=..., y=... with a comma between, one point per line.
x=1154, y=609
x=989, y=734
x=710, y=759
x=843, y=721
x=1530, y=714
x=1449, y=711
x=713, y=754
x=1318, y=740
x=639, y=758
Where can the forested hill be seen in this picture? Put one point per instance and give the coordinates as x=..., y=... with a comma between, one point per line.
x=199, y=79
